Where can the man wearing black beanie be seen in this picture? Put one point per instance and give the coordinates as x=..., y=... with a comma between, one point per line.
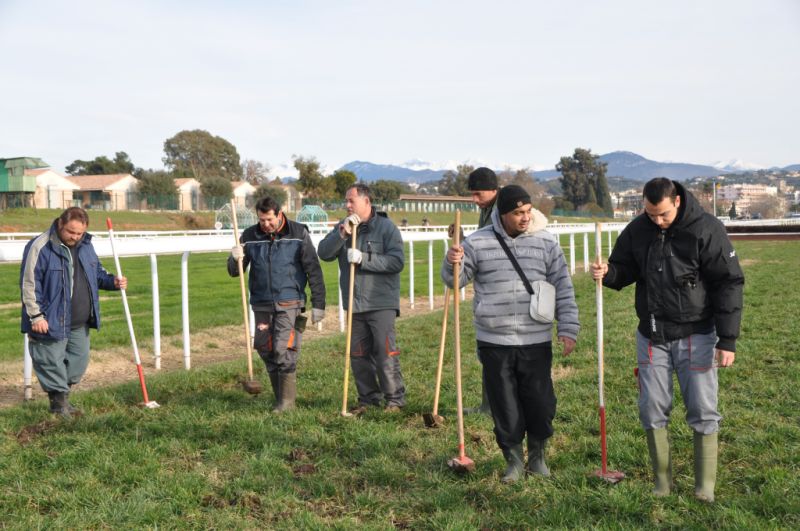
x=483, y=185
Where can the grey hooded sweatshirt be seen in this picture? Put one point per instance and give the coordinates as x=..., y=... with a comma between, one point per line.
x=501, y=302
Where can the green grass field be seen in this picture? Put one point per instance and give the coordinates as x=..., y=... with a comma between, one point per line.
x=214, y=457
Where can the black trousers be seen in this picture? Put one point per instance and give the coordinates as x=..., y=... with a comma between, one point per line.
x=520, y=391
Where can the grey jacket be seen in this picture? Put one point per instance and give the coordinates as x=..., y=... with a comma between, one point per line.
x=377, y=284
x=501, y=303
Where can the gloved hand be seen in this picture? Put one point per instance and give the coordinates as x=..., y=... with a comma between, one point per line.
x=349, y=222
x=317, y=315
x=354, y=256
x=237, y=252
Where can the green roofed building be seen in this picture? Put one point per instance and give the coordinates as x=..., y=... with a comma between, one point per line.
x=16, y=188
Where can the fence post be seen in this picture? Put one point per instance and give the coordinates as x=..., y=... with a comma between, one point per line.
x=27, y=370
x=585, y=252
x=572, y=253
x=187, y=356
x=430, y=274
x=156, y=312
x=411, y=273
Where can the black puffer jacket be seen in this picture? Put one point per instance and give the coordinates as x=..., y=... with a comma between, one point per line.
x=688, y=278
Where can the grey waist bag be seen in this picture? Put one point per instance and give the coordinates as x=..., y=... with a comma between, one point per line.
x=542, y=308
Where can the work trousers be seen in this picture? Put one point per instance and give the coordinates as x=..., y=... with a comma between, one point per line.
x=520, y=391
x=374, y=357
x=59, y=364
x=693, y=359
x=277, y=339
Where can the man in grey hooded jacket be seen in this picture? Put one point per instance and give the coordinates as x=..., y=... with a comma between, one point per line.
x=516, y=350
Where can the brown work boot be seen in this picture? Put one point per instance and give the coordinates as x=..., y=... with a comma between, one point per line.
x=359, y=410
x=58, y=404
x=392, y=409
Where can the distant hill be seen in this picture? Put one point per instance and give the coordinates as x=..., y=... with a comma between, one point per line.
x=628, y=168
x=369, y=172
x=633, y=167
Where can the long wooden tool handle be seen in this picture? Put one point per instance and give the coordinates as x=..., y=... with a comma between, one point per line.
x=599, y=297
x=353, y=245
x=245, y=311
x=441, y=352
x=457, y=333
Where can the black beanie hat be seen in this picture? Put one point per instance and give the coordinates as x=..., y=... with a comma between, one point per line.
x=512, y=197
x=482, y=179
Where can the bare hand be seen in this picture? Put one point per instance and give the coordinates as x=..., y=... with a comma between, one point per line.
x=725, y=357
x=120, y=282
x=598, y=270
x=455, y=254
x=567, y=345
x=40, y=327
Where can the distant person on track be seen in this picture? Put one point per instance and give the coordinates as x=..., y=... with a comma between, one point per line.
x=60, y=277
x=689, y=303
x=379, y=259
x=514, y=333
x=282, y=261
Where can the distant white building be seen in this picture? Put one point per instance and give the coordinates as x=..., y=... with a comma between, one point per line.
x=53, y=189
x=745, y=195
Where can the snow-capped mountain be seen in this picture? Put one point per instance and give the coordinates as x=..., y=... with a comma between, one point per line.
x=735, y=165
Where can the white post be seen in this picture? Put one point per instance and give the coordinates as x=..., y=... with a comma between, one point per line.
x=572, y=253
x=585, y=252
x=156, y=312
x=411, y=273
x=609, y=242
x=430, y=273
x=27, y=370
x=187, y=356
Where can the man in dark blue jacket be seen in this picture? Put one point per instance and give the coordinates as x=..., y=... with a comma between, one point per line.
x=689, y=303
x=282, y=262
x=59, y=280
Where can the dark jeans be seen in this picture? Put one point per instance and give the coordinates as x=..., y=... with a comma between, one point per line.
x=375, y=359
x=520, y=391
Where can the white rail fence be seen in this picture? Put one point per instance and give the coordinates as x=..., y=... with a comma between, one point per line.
x=186, y=243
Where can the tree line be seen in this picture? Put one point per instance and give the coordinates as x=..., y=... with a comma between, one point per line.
x=215, y=162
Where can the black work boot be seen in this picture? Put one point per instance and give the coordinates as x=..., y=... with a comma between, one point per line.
x=483, y=407
x=58, y=403
x=287, y=384
x=536, y=464
x=516, y=468
x=71, y=408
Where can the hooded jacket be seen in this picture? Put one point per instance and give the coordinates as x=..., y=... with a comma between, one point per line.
x=45, y=280
x=377, y=285
x=501, y=302
x=688, y=278
x=281, y=264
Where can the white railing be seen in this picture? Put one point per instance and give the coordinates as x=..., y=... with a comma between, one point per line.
x=153, y=244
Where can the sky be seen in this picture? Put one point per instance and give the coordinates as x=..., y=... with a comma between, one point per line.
x=503, y=84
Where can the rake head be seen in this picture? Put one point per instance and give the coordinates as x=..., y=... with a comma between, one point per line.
x=609, y=476
x=433, y=420
x=461, y=464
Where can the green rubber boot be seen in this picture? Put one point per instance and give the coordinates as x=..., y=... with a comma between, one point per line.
x=536, y=464
x=658, y=444
x=705, y=465
x=483, y=408
x=287, y=384
x=516, y=468
x=273, y=380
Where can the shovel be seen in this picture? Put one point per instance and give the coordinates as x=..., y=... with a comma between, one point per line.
x=461, y=464
x=250, y=385
x=433, y=420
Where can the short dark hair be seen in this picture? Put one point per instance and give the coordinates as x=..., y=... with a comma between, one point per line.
x=73, y=214
x=362, y=190
x=266, y=203
x=656, y=190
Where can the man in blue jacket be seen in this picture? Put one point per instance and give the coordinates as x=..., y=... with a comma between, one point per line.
x=689, y=303
x=282, y=262
x=59, y=280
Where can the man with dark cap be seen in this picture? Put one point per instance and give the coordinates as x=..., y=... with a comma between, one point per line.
x=482, y=183
x=514, y=326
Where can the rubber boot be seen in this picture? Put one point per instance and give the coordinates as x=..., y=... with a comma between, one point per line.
x=287, y=383
x=705, y=466
x=536, y=464
x=274, y=381
x=484, y=407
x=72, y=409
x=660, y=459
x=516, y=468
x=58, y=403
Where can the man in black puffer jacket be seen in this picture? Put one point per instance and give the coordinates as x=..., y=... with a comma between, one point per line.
x=282, y=261
x=689, y=303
